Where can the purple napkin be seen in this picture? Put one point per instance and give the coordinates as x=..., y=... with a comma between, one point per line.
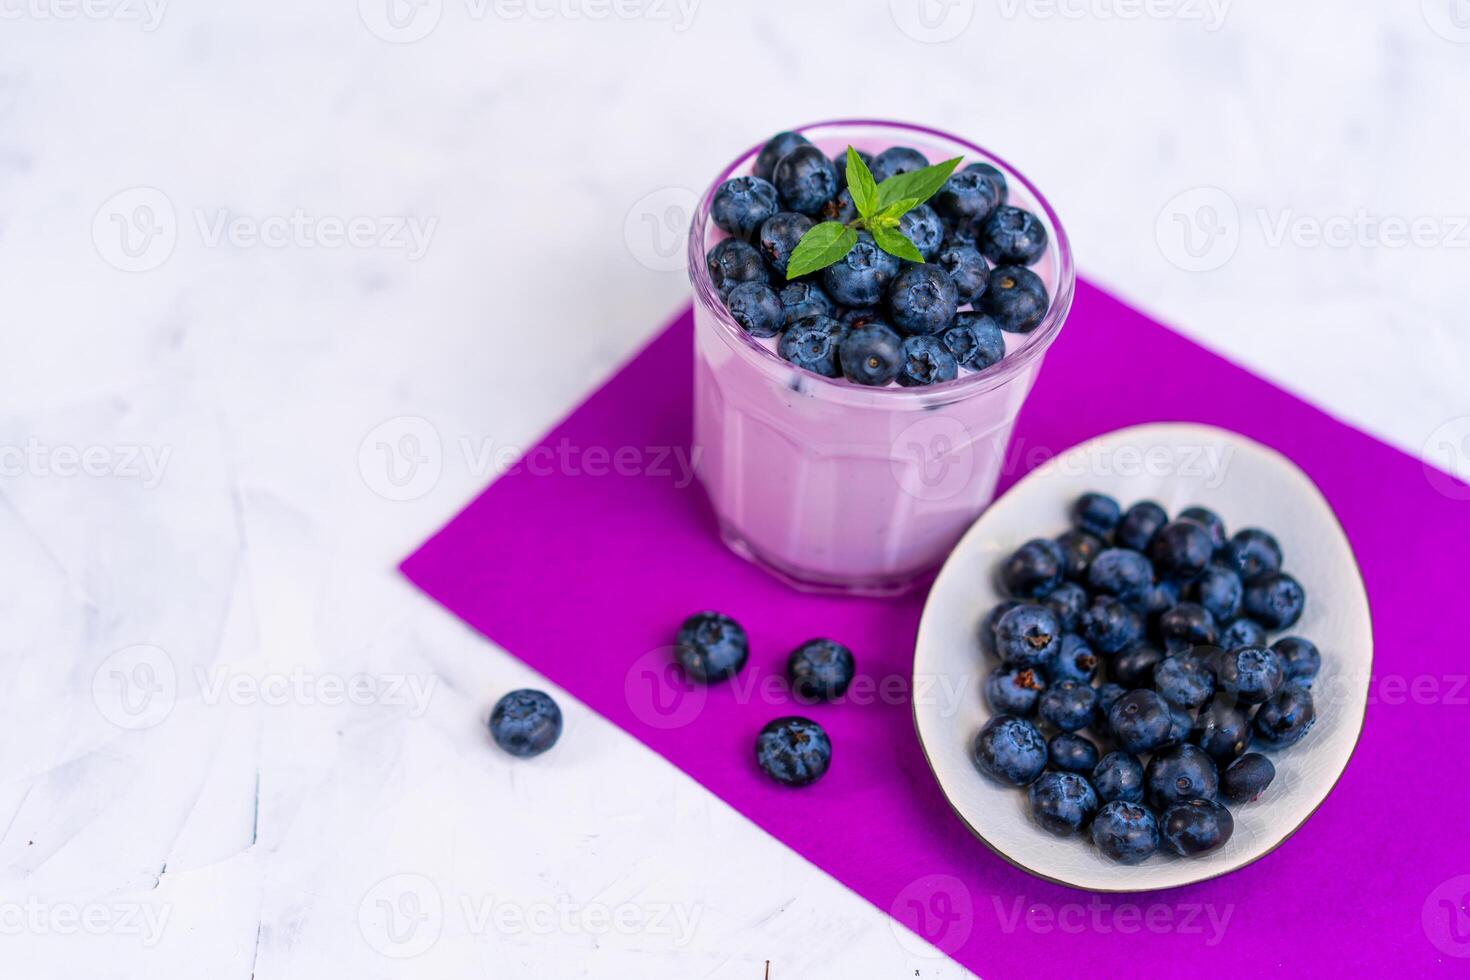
x=583, y=560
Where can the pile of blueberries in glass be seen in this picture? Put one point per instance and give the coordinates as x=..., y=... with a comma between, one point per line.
x=1151, y=635
x=872, y=317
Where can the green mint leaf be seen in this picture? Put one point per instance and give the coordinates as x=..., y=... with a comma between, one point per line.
x=894, y=243
x=918, y=186
x=896, y=210
x=860, y=184
x=820, y=247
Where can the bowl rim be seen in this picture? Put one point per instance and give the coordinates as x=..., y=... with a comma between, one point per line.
x=1208, y=431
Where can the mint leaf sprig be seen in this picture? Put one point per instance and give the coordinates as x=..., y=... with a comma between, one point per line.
x=879, y=206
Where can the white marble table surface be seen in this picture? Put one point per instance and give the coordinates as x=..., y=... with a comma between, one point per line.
x=243, y=243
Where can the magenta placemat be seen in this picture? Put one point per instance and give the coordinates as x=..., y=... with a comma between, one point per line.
x=583, y=560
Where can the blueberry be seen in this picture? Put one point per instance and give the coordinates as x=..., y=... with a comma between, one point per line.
x=860, y=277
x=1253, y=554
x=1069, y=601
x=1107, y=696
x=1139, y=721
x=1067, y=705
x=732, y=262
x=1072, y=753
x=793, y=751
x=1062, y=802
x=859, y=316
x=779, y=237
x=1011, y=236
x=871, y=354
x=968, y=196
x=1208, y=520
x=1010, y=750
x=1159, y=599
x=839, y=164
x=967, y=267
x=711, y=647
x=840, y=209
x=1285, y=717
x=975, y=341
x=1275, y=601
x=922, y=226
x=525, y=723
x=1118, y=777
x=1300, y=659
x=1120, y=573
x=1016, y=298
x=1096, y=513
x=1139, y=524
x=806, y=179
x=1125, y=832
x=1078, y=551
x=1183, y=772
x=1183, y=682
x=1190, y=828
x=1222, y=730
x=742, y=204
x=997, y=179
x=1033, y=570
x=1181, y=723
x=960, y=233
x=1181, y=550
x=1186, y=625
x=1109, y=626
x=1220, y=590
x=1242, y=632
x=987, y=626
x=926, y=362
x=1249, y=674
x=1072, y=661
x=922, y=299
x=812, y=343
x=897, y=160
x=1134, y=667
x=820, y=670
x=776, y=148
x=757, y=308
x=1014, y=691
x=1027, y=635
x=802, y=299
x=1247, y=778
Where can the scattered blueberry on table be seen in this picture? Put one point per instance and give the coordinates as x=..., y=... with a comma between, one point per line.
x=939, y=253
x=793, y=751
x=1138, y=689
x=525, y=723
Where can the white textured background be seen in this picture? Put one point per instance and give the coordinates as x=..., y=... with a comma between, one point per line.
x=193, y=493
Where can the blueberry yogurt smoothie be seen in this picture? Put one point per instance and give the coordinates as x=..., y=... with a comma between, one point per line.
x=872, y=304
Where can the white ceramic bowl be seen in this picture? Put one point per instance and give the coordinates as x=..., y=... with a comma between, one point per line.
x=1176, y=465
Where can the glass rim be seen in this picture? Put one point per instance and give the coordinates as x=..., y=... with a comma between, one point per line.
x=1037, y=340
